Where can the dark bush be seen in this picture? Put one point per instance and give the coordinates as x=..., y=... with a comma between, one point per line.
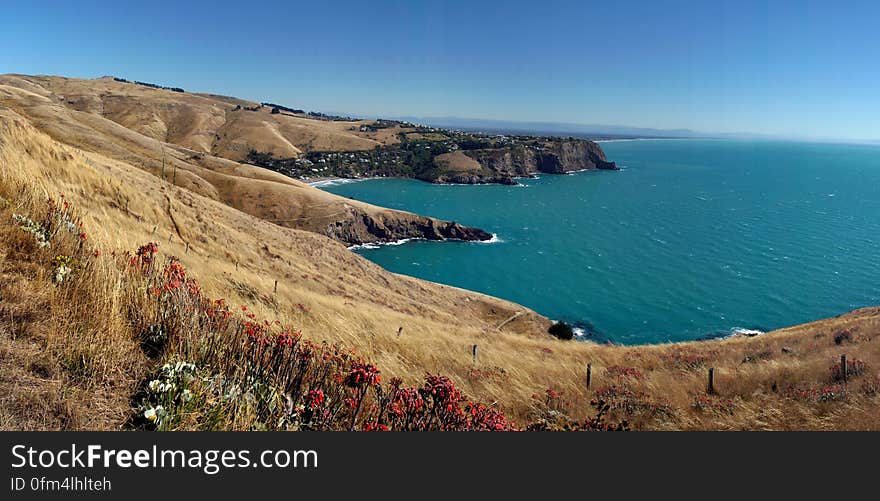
x=561, y=330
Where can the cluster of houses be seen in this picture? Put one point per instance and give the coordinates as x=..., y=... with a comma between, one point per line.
x=414, y=153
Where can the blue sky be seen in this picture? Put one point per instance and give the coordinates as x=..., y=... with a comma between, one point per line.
x=791, y=68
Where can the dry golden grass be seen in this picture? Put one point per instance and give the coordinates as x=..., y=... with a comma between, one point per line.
x=457, y=161
x=203, y=123
x=58, y=374
x=188, y=140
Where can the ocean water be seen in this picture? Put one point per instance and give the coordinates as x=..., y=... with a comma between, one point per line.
x=692, y=239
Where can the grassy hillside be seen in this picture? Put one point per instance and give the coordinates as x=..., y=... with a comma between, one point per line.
x=185, y=140
x=81, y=353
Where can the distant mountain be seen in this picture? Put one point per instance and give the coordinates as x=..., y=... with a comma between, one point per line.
x=596, y=130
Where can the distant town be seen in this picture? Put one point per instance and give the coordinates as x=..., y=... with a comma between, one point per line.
x=413, y=155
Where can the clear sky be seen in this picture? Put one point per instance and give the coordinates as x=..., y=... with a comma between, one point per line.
x=795, y=68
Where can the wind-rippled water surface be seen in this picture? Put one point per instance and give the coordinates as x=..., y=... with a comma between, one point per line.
x=693, y=238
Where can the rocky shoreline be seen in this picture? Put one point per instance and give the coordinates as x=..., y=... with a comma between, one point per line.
x=504, y=165
x=478, y=166
x=394, y=226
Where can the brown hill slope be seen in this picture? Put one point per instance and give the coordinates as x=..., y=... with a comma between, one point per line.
x=176, y=135
x=328, y=291
x=56, y=372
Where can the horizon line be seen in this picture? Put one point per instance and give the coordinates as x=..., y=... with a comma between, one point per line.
x=512, y=123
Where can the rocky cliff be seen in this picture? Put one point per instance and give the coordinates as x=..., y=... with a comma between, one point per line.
x=395, y=225
x=501, y=165
x=140, y=132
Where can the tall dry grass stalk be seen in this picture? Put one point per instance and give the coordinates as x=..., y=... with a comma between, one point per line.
x=73, y=355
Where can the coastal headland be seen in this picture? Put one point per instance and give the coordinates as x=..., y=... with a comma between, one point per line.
x=116, y=195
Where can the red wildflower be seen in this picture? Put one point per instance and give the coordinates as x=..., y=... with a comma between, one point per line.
x=145, y=255
x=482, y=418
x=284, y=339
x=314, y=399
x=624, y=371
x=255, y=332
x=362, y=374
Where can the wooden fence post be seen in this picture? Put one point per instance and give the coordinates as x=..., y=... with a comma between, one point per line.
x=843, y=367
x=711, y=388
x=275, y=290
x=187, y=248
x=475, y=354
x=589, y=374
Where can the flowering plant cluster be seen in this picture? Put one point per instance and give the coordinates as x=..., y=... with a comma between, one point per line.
x=266, y=370
x=58, y=216
x=61, y=230
x=550, y=402
x=27, y=225
x=708, y=403
x=818, y=394
x=624, y=371
x=63, y=266
x=145, y=257
x=853, y=368
x=166, y=395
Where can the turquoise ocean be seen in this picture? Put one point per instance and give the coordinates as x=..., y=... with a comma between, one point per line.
x=691, y=239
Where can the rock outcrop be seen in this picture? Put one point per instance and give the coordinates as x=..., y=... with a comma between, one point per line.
x=393, y=226
x=70, y=112
x=501, y=165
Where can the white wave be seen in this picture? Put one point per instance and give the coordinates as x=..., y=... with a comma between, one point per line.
x=336, y=181
x=398, y=242
x=573, y=172
x=364, y=246
x=742, y=331
x=376, y=245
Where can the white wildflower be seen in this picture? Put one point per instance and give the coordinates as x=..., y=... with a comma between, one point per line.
x=28, y=225
x=151, y=413
x=60, y=272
